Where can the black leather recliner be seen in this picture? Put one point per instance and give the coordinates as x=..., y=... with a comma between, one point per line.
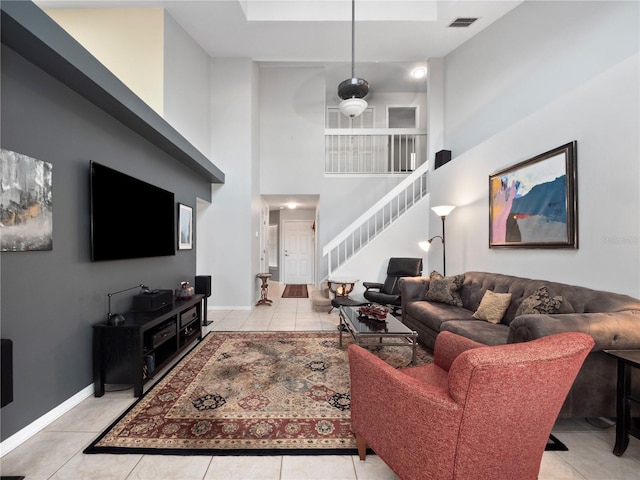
x=388, y=293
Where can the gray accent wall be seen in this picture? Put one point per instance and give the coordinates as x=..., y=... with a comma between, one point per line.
x=51, y=299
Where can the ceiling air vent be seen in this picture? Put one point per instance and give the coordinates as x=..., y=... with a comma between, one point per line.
x=462, y=22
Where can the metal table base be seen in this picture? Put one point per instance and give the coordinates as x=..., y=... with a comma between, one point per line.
x=407, y=338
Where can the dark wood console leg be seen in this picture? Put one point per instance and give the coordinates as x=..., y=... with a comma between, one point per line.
x=98, y=366
x=137, y=389
x=623, y=410
x=138, y=376
x=98, y=388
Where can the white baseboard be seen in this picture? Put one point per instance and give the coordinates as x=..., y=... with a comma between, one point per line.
x=30, y=430
x=209, y=307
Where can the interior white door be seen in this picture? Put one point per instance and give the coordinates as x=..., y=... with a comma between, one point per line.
x=298, y=252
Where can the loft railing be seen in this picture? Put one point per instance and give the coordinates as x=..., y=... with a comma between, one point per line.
x=387, y=151
x=377, y=218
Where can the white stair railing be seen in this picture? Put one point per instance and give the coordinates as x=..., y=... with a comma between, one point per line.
x=387, y=151
x=377, y=218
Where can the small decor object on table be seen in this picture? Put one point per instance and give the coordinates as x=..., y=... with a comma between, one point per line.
x=184, y=292
x=374, y=312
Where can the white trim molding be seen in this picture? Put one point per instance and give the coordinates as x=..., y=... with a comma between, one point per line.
x=48, y=418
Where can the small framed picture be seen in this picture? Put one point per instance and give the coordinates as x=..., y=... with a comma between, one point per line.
x=185, y=227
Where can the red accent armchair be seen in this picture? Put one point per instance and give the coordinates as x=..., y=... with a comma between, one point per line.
x=477, y=412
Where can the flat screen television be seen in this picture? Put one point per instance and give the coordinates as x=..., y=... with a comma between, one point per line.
x=129, y=218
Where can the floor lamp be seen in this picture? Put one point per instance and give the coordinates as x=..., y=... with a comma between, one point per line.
x=442, y=211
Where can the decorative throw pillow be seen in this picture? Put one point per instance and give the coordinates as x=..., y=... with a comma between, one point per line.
x=540, y=302
x=445, y=289
x=492, y=306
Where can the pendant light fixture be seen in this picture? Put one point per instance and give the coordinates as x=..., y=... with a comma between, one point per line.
x=353, y=90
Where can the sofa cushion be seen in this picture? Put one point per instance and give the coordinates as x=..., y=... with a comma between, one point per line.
x=445, y=289
x=476, y=283
x=433, y=314
x=478, y=330
x=492, y=306
x=540, y=302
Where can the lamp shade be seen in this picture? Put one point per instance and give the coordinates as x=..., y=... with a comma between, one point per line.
x=443, y=210
x=425, y=245
x=352, y=107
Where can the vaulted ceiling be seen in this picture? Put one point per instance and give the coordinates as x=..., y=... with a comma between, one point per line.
x=391, y=36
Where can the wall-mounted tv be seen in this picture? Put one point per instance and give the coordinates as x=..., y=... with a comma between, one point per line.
x=129, y=218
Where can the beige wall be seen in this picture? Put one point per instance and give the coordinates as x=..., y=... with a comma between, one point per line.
x=135, y=55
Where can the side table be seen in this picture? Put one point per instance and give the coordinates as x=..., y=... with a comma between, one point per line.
x=627, y=359
x=341, y=287
x=264, y=289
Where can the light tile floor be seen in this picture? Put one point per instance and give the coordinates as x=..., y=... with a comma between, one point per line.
x=56, y=451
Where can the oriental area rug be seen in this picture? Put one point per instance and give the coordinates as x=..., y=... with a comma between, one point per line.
x=295, y=291
x=249, y=393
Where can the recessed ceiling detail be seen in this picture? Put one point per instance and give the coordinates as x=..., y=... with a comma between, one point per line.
x=462, y=22
x=406, y=31
x=338, y=11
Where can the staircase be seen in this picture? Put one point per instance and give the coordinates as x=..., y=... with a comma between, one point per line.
x=377, y=218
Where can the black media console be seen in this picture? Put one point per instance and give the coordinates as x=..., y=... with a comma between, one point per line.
x=131, y=352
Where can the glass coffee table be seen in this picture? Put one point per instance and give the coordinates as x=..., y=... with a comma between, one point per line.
x=365, y=331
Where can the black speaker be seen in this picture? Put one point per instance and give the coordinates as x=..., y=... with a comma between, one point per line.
x=148, y=302
x=203, y=285
x=442, y=157
x=6, y=349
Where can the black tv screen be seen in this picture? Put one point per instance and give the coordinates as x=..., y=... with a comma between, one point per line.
x=129, y=218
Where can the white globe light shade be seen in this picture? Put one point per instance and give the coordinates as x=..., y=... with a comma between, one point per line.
x=352, y=107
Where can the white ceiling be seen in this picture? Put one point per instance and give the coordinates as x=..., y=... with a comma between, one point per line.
x=223, y=30
x=391, y=36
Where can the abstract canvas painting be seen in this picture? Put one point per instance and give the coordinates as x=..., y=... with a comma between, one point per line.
x=533, y=204
x=26, y=207
x=185, y=227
